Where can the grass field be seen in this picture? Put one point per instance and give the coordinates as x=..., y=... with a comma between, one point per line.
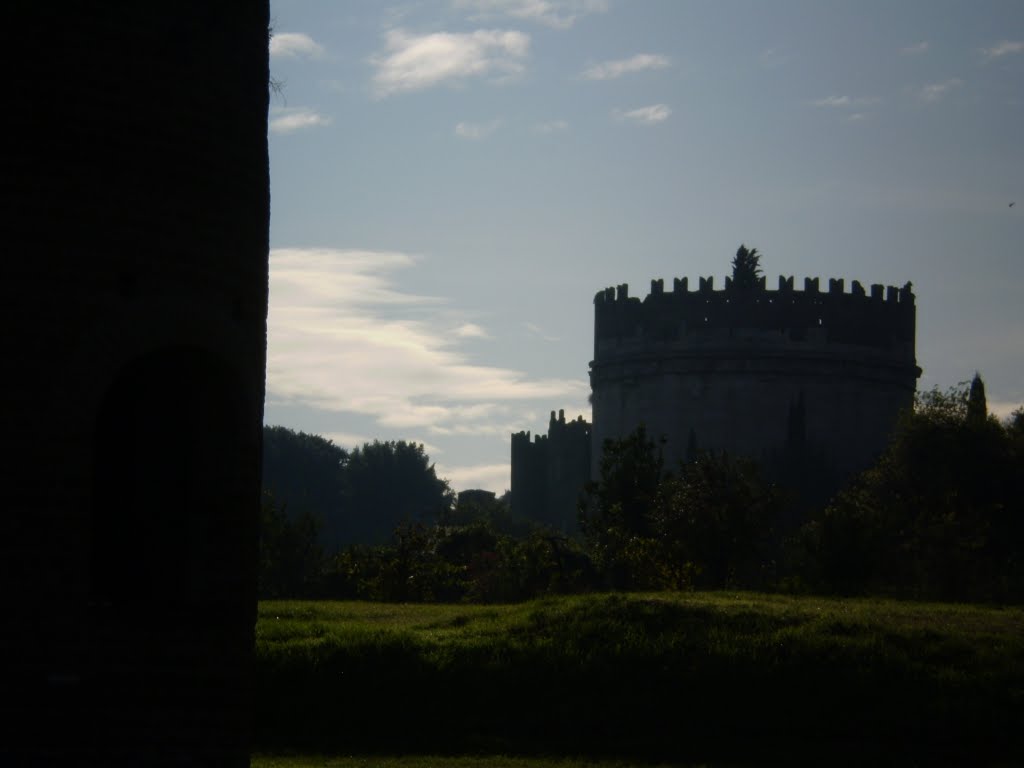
x=691, y=678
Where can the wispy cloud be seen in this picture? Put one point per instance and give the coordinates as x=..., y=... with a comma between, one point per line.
x=476, y=131
x=471, y=331
x=843, y=102
x=295, y=119
x=1004, y=48
x=916, y=49
x=655, y=113
x=343, y=337
x=536, y=330
x=833, y=101
x=938, y=91
x=294, y=44
x=414, y=62
x=609, y=70
x=489, y=477
x=551, y=126
x=558, y=14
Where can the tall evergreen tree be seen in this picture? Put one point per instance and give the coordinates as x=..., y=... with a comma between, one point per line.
x=977, y=406
x=746, y=269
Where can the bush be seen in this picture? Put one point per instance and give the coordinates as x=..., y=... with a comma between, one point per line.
x=711, y=524
x=938, y=517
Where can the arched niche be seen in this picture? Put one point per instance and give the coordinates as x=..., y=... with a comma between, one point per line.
x=175, y=484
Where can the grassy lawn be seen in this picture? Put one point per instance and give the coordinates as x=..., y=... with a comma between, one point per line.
x=705, y=677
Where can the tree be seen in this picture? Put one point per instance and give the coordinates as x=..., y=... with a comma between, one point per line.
x=388, y=484
x=305, y=475
x=717, y=524
x=615, y=511
x=977, y=406
x=291, y=560
x=746, y=269
x=711, y=524
x=939, y=516
x=357, y=497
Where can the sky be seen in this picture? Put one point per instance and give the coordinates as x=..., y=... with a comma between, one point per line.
x=453, y=180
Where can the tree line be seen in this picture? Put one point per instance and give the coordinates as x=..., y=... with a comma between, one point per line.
x=352, y=497
x=939, y=516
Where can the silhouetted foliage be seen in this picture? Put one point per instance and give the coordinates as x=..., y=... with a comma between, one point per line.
x=357, y=497
x=291, y=560
x=476, y=506
x=938, y=517
x=746, y=269
x=470, y=563
x=304, y=474
x=388, y=484
x=977, y=405
x=720, y=518
x=710, y=524
x=617, y=510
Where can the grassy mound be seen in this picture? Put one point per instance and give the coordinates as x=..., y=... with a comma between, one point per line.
x=693, y=677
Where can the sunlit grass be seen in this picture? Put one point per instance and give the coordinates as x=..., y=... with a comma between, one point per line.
x=655, y=676
x=742, y=624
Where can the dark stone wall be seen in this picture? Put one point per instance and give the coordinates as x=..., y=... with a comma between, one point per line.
x=549, y=473
x=135, y=209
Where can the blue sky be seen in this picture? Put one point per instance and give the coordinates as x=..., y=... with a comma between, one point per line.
x=453, y=180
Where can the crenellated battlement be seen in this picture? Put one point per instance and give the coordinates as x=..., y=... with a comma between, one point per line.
x=836, y=287
x=881, y=319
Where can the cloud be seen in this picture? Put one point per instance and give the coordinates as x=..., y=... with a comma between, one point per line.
x=552, y=126
x=414, y=62
x=655, y=113
x=471, y=331
x=609, y=70
x=843, y=102
x=342, y=337
x=1004, y=48
x=291, y=45
x=938, y=91
x=1002, y=409
x=833, y=101
x=346, y=439
x=289, y=120
x=558, y=14
x=915, y=49
x=489, y=477
x=536, y=330
x=476, y=131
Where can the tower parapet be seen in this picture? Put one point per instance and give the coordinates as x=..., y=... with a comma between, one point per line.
x=882, y=322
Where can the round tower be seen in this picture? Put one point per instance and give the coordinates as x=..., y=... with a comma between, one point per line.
x=782, y=376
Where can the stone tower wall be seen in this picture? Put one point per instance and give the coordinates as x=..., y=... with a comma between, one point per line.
x=754, y=372
x=135, y=193
x=549, y=473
